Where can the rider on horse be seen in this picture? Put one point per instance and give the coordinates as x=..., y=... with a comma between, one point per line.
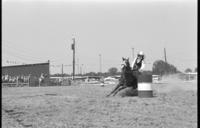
x=138, y=65
x=129, y=74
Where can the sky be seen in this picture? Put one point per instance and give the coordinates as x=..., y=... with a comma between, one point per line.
x=35, y=31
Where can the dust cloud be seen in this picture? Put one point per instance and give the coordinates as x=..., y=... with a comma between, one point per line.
x=173, y=83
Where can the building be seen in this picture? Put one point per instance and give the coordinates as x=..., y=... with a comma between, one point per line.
x=32, y=70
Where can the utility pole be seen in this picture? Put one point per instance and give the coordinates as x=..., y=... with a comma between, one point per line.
x=81, y=69
x=165, y=55
x=49, y=68
x=78, y=70
x=73, y=48
x=62, y=71
x=84, y=69
x=100, y=68
x=133, y=53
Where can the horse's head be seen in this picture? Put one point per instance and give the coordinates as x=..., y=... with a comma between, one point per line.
x=126, y=64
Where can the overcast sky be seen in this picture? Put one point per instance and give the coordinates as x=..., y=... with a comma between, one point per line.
x=36, y=31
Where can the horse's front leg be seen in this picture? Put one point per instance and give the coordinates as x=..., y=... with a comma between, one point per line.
x=113, y=90
x=119, y=89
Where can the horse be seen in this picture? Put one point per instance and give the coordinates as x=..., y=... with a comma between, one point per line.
x=127, y=78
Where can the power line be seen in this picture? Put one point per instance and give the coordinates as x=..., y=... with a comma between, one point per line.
x=21, y=54
x=57, y=60
x=23, y=58
x=10, y=44
x=27, y=53
x=24, y=53
x=16, y=49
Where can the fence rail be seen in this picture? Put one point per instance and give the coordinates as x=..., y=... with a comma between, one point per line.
x=14, y=84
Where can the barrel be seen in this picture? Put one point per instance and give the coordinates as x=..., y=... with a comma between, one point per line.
x=145, y=90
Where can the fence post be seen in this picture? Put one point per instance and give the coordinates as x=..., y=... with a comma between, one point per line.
x=39, y=82
x=28, y=81
x=17, y=83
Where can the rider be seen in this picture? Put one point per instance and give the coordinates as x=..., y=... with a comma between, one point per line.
x=138, y=65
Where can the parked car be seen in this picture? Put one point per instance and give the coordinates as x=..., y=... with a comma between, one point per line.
x=110, y=80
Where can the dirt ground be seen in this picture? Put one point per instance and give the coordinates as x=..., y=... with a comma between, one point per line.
x=174, y=105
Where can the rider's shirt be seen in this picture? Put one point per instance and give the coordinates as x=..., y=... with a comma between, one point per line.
x=137, y=65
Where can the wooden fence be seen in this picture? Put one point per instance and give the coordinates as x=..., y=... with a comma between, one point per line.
x=15, y=84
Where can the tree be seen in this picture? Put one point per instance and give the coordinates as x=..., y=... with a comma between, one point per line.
x=188, y=70
x=112, y=71
x=162, y=68
x=91, y=74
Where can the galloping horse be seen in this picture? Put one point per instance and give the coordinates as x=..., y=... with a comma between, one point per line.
x=127, y=78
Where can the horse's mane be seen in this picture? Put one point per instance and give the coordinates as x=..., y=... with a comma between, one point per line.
x=127, y=74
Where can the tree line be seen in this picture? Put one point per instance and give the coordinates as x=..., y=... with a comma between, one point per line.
x=160, y=67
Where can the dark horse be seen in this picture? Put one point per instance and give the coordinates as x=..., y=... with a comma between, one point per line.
x=127, y=78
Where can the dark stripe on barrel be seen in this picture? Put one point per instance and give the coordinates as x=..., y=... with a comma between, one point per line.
x=145, y=93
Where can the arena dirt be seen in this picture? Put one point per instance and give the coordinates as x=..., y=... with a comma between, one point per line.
x=174, y=105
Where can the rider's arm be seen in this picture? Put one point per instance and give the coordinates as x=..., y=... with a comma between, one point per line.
x=132, y=65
